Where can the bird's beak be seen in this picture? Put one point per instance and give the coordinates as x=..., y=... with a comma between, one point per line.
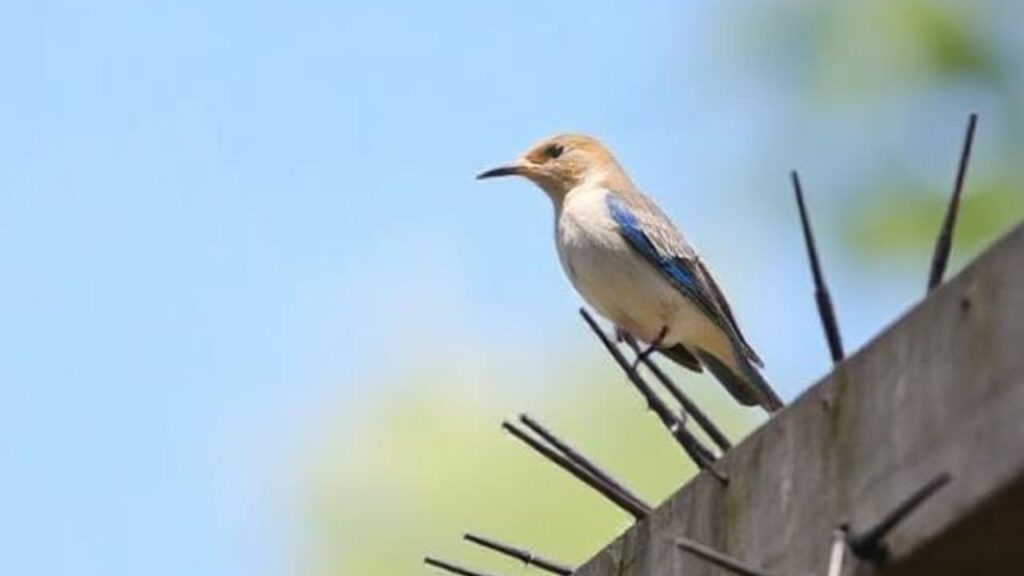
x=516, y=169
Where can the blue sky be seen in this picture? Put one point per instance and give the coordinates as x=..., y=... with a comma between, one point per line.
x=215, y=216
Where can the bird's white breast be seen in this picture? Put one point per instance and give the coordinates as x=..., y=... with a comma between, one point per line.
x=620, y=283
x=609, y=274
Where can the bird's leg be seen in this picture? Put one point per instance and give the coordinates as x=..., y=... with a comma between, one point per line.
x=650, y=349
x=622, y=336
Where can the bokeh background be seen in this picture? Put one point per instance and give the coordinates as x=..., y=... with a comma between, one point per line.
x=256, y=317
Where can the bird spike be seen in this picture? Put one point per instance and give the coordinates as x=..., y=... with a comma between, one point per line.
x=821, y=293
x=574, y=455
x=697, y=452
x=454, y=569
x=637, y=510
x=870, y=544
x=944, y=243
x=838, y=553
x=717, y=558
x=525, y=556
x=690, y=408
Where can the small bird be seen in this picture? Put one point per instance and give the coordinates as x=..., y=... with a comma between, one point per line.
x=628, y=261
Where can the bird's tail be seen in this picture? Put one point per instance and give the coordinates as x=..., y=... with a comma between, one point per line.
x=682, y=356
x=749, y=387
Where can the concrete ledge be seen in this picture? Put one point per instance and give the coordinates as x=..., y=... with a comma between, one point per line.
x=940, y=390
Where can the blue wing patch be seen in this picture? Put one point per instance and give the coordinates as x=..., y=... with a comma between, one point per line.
x=677, y=270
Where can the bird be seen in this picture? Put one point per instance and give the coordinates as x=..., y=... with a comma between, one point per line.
x=631, y=264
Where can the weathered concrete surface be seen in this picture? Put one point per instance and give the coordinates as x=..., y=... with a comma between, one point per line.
x=941, y=390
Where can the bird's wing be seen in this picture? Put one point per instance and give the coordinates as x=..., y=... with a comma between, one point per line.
x=649, y=231
x=727, y=311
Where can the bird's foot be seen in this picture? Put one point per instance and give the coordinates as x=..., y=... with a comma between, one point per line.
x=622, y=336
x=642, y=355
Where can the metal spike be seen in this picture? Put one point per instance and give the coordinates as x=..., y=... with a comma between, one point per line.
x=870, y=544
x=944, y=243
x=697, y=452
x=717, y=558
x=838, y=553
x=529, y=558
x=821, y=293
x=454, y=569
x=574, y=455
x=634, y=508
x=690, y=407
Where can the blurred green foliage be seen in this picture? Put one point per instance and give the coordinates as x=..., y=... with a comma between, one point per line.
x=427, y=462
x=904, y=220
x=897, y=79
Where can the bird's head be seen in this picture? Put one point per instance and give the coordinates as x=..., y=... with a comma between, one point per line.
x=561, y=163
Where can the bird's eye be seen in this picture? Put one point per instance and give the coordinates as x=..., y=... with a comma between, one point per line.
x=554, y=151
